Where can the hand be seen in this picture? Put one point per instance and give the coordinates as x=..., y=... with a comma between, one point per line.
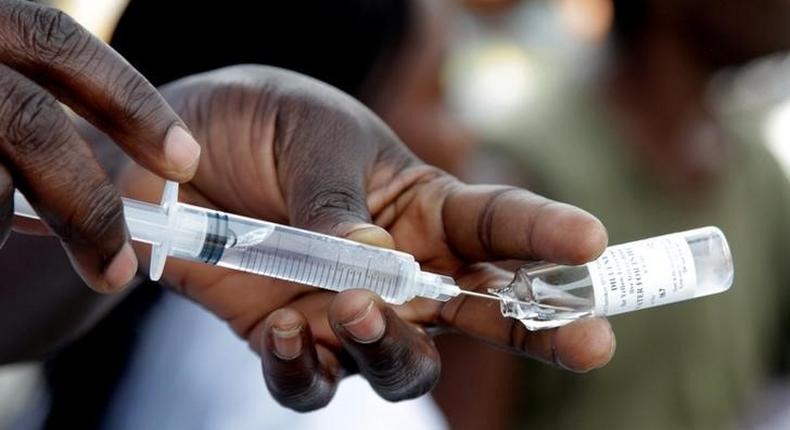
x=283, y=147
x=46, y=57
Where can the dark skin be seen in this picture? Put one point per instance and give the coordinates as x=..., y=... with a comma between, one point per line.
x=307, y=155
x=46, y=57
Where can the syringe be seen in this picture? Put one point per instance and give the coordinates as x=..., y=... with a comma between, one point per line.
x=265, y=248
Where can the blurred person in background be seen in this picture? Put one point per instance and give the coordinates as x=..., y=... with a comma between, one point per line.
x=644, y=147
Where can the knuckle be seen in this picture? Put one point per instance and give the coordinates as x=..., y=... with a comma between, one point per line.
x=486, y=222
x=293, y=106
x=6, y=186
x=403, y=373
x=96, y=216
x=307, y=111
x=55, y=36
x=139, y=102
x=31, y=120
x=519, y=337
x=303, y=394
x=289, y=117
x=332, y=199
x=6, y=204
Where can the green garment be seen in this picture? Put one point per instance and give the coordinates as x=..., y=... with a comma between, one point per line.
x=690, y=365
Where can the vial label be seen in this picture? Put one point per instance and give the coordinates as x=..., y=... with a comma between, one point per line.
x=643, y=274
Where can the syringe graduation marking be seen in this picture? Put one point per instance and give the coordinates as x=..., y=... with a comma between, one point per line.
x=275, y=261
x=293, y=260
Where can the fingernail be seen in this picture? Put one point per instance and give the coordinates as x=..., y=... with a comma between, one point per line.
x=287, y=341
x=181, y=150
x=614, y=343
x=367, y=326
x=372, y=235
x=583, y=348
x=121, y=269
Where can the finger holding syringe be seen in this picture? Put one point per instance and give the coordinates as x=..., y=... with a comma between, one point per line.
x=581, y=346
x=359, y=322
x=339, y=171
x=284, y=148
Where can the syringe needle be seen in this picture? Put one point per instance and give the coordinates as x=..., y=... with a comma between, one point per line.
x=481, y=295
x=500, y=299
x=494, y=297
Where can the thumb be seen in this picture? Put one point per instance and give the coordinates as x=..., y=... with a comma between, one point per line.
x=370, y=234
x=337, y=211
x=330, y=198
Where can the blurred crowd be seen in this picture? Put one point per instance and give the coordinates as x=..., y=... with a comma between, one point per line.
x=654, y=115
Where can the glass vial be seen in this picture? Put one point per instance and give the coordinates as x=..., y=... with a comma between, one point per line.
x=625, y=278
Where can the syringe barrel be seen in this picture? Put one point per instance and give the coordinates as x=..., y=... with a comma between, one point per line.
x=296, y=255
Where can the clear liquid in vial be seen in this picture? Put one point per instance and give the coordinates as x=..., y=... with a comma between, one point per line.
x=544, y=295
x=628, y=277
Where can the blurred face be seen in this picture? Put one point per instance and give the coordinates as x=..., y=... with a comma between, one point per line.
x=489, y=5
x=730, y=32
x=409, y=97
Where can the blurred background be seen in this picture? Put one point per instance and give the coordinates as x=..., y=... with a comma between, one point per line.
x=654, y=115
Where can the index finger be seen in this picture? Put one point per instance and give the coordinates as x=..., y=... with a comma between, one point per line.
x=50, y=48
x=484, y=223
x=581, y=346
